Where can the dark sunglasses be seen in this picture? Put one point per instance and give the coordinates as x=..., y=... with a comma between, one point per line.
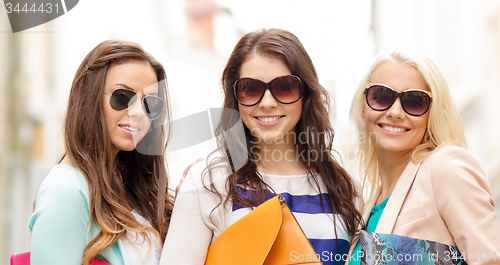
x=415, y=102
x=286, y=89
x=122, y=99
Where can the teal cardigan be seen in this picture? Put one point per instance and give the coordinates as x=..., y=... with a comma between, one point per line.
x=59, y=224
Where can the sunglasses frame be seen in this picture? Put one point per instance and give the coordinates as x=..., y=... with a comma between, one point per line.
x=398, y=95
x=143, y=97
x=266, y=87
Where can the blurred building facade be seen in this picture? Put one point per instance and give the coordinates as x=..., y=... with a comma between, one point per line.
x=463, y=39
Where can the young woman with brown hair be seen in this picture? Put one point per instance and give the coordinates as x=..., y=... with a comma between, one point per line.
x=108, y=196
x=284, y=147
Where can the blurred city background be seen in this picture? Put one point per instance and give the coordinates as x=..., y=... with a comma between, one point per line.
x=193, y=39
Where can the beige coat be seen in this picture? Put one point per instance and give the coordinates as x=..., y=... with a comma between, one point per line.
x=446, y=199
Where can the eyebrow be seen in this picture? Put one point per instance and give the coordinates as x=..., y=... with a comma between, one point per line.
x=123, y=85
x=129, y=88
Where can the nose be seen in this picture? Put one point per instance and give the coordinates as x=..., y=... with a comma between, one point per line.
x=136, y=109
x=396, y=110
x=268, y=101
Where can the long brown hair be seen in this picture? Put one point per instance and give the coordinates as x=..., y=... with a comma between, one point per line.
x=314, y=125
x=130, y=181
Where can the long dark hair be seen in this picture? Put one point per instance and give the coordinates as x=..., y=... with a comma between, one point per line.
x=130, y=181
x=316, y=142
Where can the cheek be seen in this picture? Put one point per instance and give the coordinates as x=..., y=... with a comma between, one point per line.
x=298, y=112
x=111, y=116
x=299, y=107
x=295, y=109
x=147, y=124
x=422, y=125
x=245, y=114
x=107, y=111
x=370, y=116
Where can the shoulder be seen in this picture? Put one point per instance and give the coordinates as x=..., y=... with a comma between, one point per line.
x=202, y=175
x=65, y=175
x=449, y=158
x=62, y=199
x=455, y=167
x=463, y=199
x=449, y=152
x=64, y=183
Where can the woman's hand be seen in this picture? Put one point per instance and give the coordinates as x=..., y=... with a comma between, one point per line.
x=184, y=174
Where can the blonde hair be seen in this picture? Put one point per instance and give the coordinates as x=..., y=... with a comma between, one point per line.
x=444, y=125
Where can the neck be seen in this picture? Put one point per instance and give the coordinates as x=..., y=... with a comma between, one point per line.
x=67, y=160
x=115, y=151
x=280, y=157
x=391, y=165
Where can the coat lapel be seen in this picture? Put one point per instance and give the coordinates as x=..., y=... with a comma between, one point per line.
x=369, y=205
x=398, y=196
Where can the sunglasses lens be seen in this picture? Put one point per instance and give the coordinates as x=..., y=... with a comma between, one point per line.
x=415, y=102
x=122, y=98
x=249, y=91
x=380, y=97
x=153, y=107
x=286, y=89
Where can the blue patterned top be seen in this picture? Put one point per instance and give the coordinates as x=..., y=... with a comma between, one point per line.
x=302, y=197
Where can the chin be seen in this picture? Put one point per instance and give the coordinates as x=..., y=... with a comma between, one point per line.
x=127, y=148
x=268, y=136
x=395, y=148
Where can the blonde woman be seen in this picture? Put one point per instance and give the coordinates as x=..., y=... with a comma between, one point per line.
x=421, y=181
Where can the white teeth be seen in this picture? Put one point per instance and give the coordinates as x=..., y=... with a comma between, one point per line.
x=130, y=128
x=393, y=129
x=268, y=119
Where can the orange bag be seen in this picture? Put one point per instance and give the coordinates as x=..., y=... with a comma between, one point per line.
x=266, y=236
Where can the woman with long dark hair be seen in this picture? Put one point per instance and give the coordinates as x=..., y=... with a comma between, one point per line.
x=108, y=197
x=283, y=147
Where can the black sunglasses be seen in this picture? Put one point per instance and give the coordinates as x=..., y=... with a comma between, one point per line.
x=122, y=99
x=381, y=97
x=286, y=89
